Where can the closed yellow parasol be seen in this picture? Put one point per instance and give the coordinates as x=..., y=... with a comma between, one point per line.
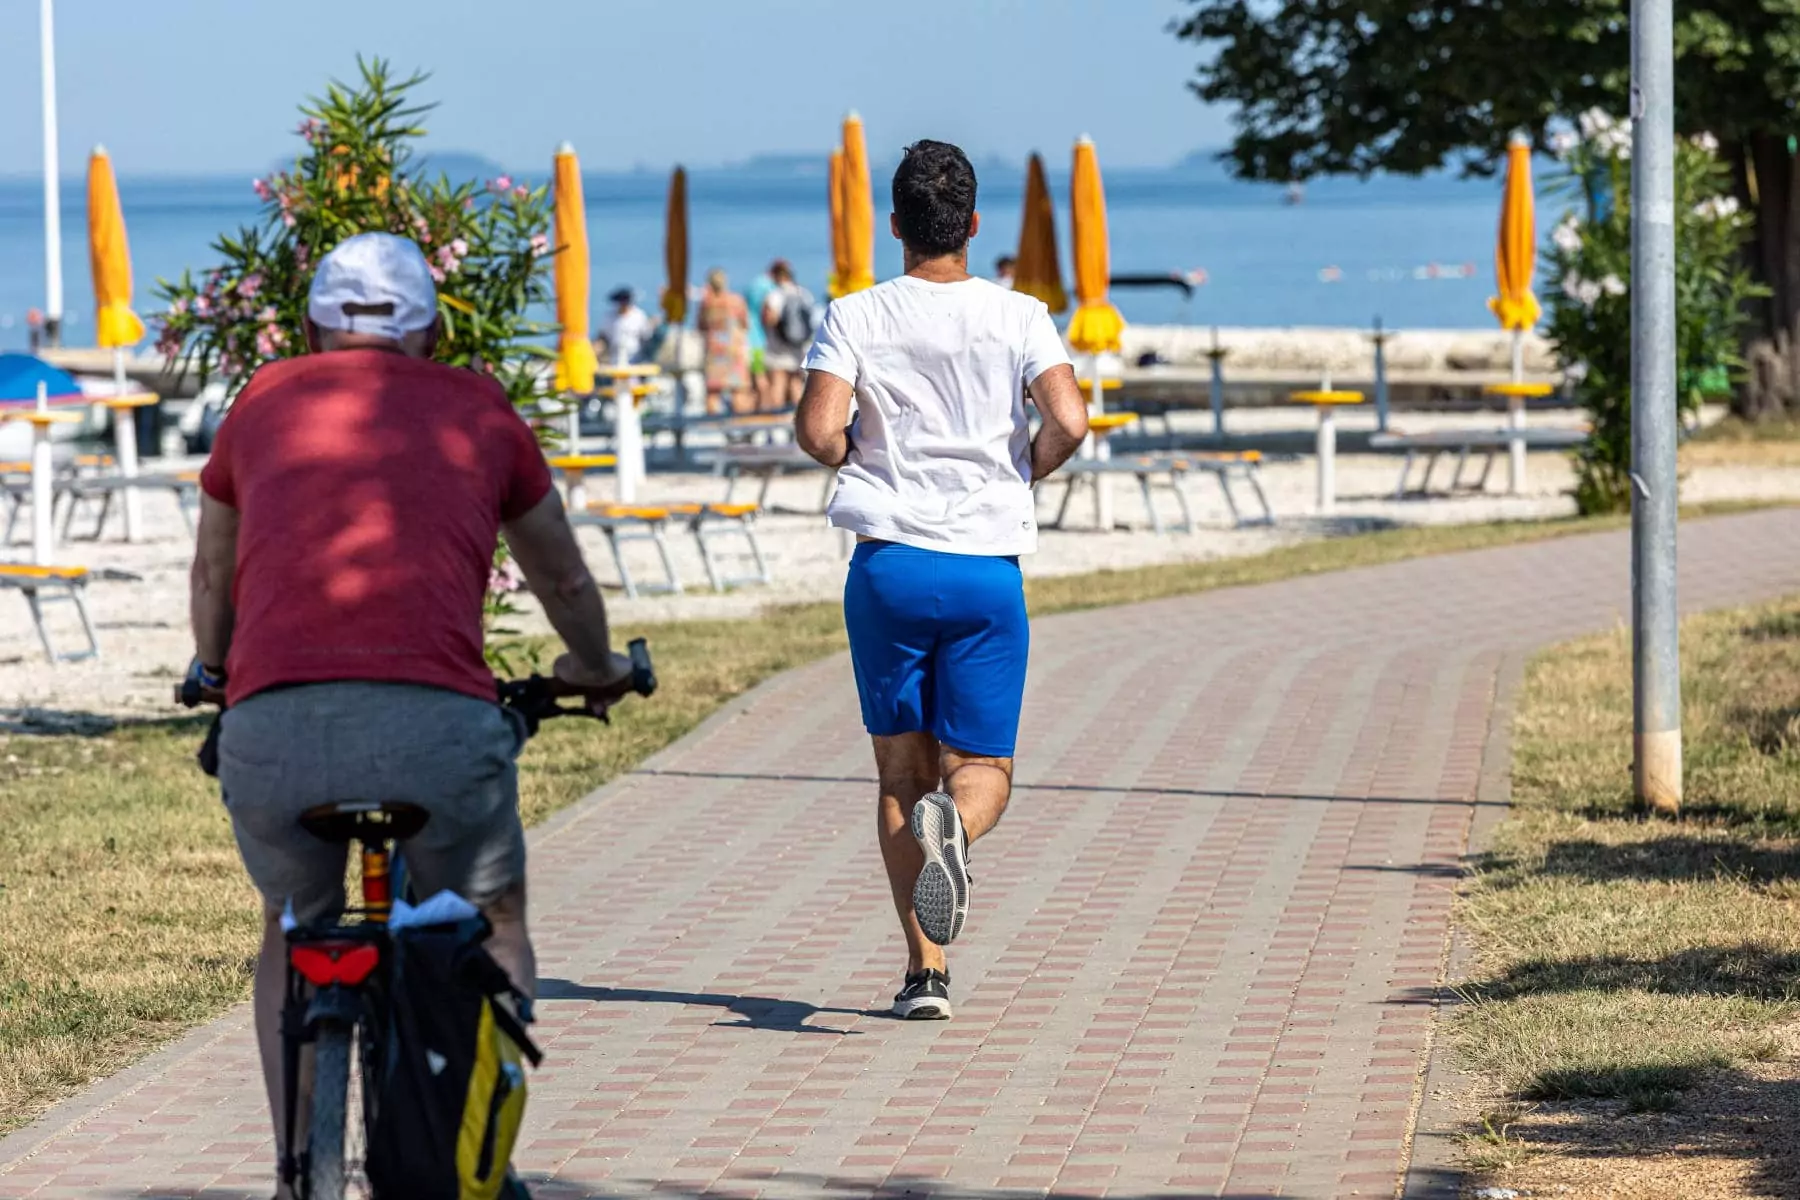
x=1038, y=272
x=1096, y=325
x=110, y=255
x=1515, y=250
x=575, y=358
x=675, y=250
x=859, y=211
x=840, y=245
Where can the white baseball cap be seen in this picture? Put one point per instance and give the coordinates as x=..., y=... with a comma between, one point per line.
x=373, y=283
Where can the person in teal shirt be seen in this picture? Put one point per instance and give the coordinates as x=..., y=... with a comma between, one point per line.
x=755, y=296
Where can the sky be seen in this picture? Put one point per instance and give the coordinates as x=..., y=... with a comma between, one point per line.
x=202, y=86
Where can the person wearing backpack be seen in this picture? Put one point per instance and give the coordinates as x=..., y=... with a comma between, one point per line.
x=789, y=317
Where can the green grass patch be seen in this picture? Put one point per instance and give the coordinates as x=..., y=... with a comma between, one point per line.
x=1624, y=958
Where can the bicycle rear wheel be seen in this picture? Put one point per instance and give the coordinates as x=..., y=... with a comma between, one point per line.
x=325, y=1166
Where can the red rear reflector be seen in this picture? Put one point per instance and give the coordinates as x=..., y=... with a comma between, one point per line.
x=324, y=963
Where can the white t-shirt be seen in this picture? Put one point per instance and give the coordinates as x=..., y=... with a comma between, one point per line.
x=942, y=455
x=626, y=332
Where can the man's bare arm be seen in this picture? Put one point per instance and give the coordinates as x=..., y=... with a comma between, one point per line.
x=209, y=582
x=1064, y=410
x=543, y=544
x=821, y=422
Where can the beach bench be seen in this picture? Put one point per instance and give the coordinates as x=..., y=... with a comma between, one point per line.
x=707, y=523
x=1168, y=472
x=575, y=468
x=766, y=463
x=43, y=585
x=77, y=490
x=1465, y=442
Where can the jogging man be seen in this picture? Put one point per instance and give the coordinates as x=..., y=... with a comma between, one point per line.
x=934, y=478
x=348, y=521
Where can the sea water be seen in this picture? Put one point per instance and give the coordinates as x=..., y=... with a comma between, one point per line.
x=1412, y=252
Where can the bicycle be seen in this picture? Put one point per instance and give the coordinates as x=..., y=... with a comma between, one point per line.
x=336, y=978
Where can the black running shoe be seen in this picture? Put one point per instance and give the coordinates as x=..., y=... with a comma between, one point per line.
x=941, y=895
x=926, y=997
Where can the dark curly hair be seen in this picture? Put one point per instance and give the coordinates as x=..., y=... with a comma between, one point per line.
x=934, y=198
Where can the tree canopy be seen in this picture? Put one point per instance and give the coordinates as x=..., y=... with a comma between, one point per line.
x=1332, y=88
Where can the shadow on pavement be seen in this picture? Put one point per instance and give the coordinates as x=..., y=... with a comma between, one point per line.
x=1021, y=786
x=758, y=1012
x=792, y=1186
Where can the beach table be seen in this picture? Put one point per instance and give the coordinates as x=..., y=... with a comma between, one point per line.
x=627, y=390
x=750, y=427
x=1516, y=394
x=1169, y=472
x=71, y=491
x=124, y=422
x=1089, y=472
x=1327, y=400
x=43, y=499
x=574, y=468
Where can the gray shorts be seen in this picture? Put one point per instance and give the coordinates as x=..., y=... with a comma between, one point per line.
x=285, y=751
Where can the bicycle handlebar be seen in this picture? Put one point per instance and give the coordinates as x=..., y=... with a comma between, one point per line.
x=535, y=698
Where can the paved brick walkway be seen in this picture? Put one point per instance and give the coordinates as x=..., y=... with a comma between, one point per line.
x=1196, y=957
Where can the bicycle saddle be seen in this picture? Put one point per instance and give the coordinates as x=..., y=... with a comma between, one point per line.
x=363, y=820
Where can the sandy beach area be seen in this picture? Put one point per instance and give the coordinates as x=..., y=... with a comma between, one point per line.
x=145, y=644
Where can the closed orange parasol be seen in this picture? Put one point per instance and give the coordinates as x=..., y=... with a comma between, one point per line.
x=110, y=256
x=840, y=245
x=575, y=358
x=1515, y=249
x=1038, y=272
x=675, y=250
x=859, y=211
x=1096, y=325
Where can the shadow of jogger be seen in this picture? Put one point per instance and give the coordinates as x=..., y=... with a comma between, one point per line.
x=758, y=1012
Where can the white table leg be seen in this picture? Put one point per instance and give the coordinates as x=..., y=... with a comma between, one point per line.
x=1327, y=452
x=125, y=438
x=577, y=489
x=43, y=528
x=630, y=443
x=1515, y=420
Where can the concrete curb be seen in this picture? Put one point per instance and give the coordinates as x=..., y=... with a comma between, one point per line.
x=1435, y=1170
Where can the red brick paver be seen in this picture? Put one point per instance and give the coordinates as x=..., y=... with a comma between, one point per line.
x=1201, y=957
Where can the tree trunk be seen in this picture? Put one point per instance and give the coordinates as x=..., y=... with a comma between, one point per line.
x=1769, y=177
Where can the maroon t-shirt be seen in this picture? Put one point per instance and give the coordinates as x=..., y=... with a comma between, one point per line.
x=370, y=488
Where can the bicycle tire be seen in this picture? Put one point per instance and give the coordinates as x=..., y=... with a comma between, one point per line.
x=325, y=1166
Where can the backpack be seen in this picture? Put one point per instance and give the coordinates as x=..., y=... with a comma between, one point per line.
x=796, y=323
x=448, y=1093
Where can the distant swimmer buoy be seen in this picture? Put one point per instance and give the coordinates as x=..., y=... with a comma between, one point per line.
x=1330, y=274
x=1197, y=277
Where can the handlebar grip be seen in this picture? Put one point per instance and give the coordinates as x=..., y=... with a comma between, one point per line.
x=643, y=672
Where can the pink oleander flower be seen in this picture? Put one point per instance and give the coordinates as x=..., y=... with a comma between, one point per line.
x=459, y=247
x=502, y=183
x=287, y=218
x=521, y=192
x=265, y=344
x=436, y=272
x=263, y=191
x=250, y=284
x=506, y=579
x=178, y=306
x=269, y=315
x=540, y=245
x=202, y=305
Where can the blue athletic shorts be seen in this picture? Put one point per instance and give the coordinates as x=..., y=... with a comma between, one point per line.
x=939, y=642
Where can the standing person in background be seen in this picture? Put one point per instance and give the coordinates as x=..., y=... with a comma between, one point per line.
x=788, y=324
x=625, y=329
x=755, y=296
x=724, y=321
x=1003, y=271
x=935, y=479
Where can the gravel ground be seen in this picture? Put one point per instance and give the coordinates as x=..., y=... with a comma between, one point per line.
x=143, y=624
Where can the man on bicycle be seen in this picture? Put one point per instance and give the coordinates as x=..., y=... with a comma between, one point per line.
x=349, y=516
x=935, y=480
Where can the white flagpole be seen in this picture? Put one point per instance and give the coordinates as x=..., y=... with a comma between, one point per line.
x=53, y=280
